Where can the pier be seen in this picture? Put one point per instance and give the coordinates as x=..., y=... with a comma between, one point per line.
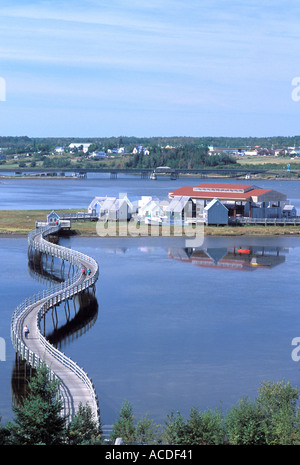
x=75, y=386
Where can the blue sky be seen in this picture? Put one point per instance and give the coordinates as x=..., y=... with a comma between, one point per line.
x=100, y=68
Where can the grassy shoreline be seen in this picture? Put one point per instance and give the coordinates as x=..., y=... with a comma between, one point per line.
x=18, y=223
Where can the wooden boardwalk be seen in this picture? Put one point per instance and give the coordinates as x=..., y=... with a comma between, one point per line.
x=75, y=385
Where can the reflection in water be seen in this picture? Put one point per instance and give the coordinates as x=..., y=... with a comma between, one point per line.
x=77, y=325
x=235, y=258
x=84, y=308
x=48, y=270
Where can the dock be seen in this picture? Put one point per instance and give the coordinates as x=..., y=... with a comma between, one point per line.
x=75, y=386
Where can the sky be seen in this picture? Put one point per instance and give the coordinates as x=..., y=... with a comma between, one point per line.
x=102, y=68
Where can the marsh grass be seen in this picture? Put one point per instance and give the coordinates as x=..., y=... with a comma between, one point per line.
x=21, y=222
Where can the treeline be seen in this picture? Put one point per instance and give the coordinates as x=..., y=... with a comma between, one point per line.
x=271, y=419
x=185, y=157
x=43, y=143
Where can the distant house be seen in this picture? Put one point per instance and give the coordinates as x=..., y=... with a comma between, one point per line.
x=78, y=145
x=98, y=154
x=59, y=149
x=53, y=218
x=215, y=213
x=137, y=149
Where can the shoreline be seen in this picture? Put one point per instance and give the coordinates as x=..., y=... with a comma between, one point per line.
x=182, y=176
x=243, y=232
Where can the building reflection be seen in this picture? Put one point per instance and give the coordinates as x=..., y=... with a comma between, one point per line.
x=234, y=258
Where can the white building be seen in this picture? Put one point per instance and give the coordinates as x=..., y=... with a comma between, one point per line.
x=111, y=208
x=77, y=145
x=98, y=154
x=95, y=205
x=151, y=210
x=181, y=208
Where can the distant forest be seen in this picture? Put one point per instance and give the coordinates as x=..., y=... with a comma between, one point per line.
x=190, y=156
x=22, y=142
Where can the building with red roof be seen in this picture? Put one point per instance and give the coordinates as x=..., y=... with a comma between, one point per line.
x=240, y=199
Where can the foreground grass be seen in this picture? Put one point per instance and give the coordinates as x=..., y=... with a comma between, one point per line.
x=21, y=222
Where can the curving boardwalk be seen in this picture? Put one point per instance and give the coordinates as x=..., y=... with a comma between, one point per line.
x=75, y=385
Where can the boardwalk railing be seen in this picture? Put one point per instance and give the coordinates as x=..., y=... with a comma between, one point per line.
x=266, y=221
x=49, y=298
x=79, y=216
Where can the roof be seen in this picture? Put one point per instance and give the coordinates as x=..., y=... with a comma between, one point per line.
x=242, y=192
x=53, y=213
x=152, y=204
x=96, y=201
x=217, y=186
x=177, y=204
x=214, y=202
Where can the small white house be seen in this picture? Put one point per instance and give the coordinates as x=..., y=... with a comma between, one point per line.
x=151, y=209
x=95, y=205
x=53, y=218
x=116, y=209
x=111, y=208
x=181, y=208
x=215, y=213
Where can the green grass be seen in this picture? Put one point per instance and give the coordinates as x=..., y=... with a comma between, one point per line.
x=21, y=222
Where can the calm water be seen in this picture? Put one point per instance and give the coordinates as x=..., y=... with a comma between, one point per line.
x=78, y=193
x=172, y=327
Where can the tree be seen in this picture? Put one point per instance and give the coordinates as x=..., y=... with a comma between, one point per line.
x=39, y=419
x=174, y=430
x=4, y=435
x=278, y=403
x=83, y=429
x=200, y=428
x=204, y=428
x=146, y=432
x=124, y=426
x=244, y=424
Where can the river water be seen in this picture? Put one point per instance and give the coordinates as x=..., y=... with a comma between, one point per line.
x=169, y=328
